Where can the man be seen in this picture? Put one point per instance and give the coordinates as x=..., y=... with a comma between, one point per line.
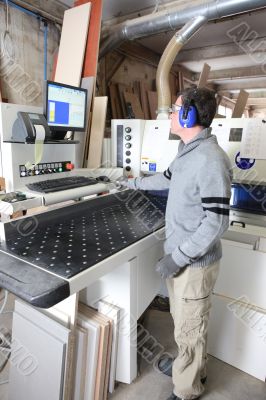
x=197, y=214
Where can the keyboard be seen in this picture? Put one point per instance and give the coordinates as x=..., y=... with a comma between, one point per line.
x=55, y=185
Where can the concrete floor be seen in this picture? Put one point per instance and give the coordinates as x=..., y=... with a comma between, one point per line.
x=224, y=382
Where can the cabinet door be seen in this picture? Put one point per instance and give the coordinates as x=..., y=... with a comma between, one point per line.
x=242, y=275
x=237, y=336
x=38, y=353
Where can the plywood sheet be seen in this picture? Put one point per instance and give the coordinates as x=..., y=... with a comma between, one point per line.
x=144, y=99
x=97, y=132
x=204, y=76
x=93, y=330
x=121, y=90
x=112, y=312
x=133, y=102
x=240, y=104
x=153, y=103
x=82, y=148
x=103, y=350
x=72, y=45
x=92, y=48
x=80, y=363
x=115, y=102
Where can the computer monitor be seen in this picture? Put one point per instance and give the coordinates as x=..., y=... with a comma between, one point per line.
x=64, y=108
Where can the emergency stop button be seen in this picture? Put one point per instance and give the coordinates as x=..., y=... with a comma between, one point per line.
x=69, y=166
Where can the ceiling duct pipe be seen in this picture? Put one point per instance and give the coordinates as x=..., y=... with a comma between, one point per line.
x=174, y=18
x=174, y=46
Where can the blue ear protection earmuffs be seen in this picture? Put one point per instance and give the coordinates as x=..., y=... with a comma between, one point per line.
x=188, y=116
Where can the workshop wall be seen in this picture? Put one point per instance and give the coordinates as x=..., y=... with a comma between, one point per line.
x=22, y=56
x=126, y=73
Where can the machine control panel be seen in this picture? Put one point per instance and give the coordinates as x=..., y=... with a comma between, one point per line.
x=127, y=138
x=46, y=168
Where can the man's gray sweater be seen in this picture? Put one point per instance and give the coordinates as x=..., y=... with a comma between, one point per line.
x=197, y=212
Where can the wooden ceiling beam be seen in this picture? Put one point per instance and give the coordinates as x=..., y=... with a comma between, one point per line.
x=235, y=73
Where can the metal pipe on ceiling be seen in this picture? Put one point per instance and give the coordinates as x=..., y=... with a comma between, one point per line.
x=174, y=18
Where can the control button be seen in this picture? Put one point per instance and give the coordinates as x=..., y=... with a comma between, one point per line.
x=127, y=145
x=128, y=129
x=128, y=153
x=128, y=161
x=60, y=169
x=23, y=173
x=128, y=168
x=69, y=166
x=128, y=137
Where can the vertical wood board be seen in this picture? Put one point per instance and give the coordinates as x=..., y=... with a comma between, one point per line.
x=72, y=45
x=203, y=79
x=97, y=132
x=153, y=103
x=92, y=48
x=240, y=104
x=134, y=101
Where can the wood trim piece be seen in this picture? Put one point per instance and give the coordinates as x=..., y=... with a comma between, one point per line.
x=240, y=104
x=116, y=108
x=203, y=79
x=97, y=132
x=144, y=99
x=153, y=103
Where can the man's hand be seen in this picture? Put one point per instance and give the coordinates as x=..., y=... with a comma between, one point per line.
x=125, y=182
x=167, y=268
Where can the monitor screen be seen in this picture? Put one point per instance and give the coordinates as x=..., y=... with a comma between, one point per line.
x=65, y=107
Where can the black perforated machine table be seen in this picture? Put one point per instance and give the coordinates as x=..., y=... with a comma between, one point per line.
x=41, y=253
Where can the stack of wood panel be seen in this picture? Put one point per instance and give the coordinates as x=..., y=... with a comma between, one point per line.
x=96, y=351
x=135, y=101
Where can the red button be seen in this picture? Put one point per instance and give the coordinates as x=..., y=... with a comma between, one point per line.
x=69, y=166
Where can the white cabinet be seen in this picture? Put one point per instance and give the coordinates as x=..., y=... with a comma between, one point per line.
x=242, y=273
x=237, y=331
x=237, y=336
x=37, y=362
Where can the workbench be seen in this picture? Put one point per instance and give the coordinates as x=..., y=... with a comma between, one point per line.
x=44, y=258
x=106, y=247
